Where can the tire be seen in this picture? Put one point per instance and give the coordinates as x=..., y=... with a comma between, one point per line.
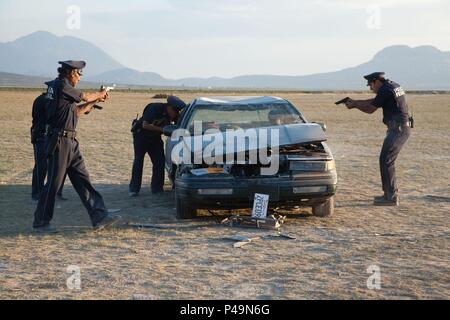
x=325, y=209
x=184, y=210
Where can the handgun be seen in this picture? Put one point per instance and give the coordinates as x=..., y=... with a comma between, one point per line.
x=95, y=106
x=106, y=88
x=136, y=124
x=342, y=100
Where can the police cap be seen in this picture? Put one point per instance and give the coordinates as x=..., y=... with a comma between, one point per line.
x=175, y=103
x=374, y=76
x=72, y=64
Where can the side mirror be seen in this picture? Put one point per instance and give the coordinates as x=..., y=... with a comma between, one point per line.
x=323, y=125
x=168, y=130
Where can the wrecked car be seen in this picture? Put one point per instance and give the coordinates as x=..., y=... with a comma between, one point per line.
x=224, y=150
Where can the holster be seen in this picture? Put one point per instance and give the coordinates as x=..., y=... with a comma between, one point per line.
x=52, y=144
x=136, y=125
x=36, y=135
x=33, y=136
x=396, y=126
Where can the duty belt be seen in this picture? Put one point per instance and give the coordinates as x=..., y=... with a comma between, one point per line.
x=70, y=134
x=395, y=124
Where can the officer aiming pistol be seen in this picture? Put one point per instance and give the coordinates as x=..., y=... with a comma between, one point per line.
x=391, y=97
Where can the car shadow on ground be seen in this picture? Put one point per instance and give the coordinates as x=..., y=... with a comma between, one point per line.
x=70, y=216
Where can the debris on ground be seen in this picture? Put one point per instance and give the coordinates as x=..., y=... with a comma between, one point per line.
x=139, y=225
x=281, y=235
x=271, y=222
x=240, y=241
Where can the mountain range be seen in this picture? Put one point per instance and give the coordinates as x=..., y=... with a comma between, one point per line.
x=37, y=54
x=32, y=58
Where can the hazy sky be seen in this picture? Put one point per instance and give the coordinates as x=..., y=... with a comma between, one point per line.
x=182, y=38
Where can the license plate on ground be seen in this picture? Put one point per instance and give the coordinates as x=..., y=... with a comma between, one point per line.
x=260, y=205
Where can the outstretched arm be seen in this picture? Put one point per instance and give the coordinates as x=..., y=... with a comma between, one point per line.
x=91, y=99
x=95, y=96
x=363, y=105
x=85, y=108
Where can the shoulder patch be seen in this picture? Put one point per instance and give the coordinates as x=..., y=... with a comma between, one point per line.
x=399, y=92
x=50, y=93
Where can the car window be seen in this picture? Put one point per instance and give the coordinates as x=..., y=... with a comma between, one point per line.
x=223, y=117
x=182, y=114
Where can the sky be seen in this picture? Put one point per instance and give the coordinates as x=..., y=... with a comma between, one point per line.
x=226, y=38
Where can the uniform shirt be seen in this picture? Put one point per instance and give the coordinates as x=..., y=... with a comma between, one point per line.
x=154, y=112
x=38, y=115
x=391, y=97
x=62, y=106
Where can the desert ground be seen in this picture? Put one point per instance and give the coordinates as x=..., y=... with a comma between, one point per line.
x=329, y=259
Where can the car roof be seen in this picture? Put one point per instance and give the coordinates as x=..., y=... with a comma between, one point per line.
x=234, y=100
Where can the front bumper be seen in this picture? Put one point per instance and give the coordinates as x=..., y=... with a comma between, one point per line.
x=207, y=192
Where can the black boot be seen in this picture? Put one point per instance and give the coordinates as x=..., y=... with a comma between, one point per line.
x=47, y=228
x=386, y=202
x=379, y=198
x=107, y=221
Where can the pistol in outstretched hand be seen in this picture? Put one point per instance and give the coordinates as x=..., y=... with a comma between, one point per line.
x=107, y=88
x=345, y=100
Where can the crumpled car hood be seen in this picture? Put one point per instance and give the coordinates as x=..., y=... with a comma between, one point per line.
x=289, y=134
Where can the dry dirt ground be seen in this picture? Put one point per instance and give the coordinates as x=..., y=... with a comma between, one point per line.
x=329, y=259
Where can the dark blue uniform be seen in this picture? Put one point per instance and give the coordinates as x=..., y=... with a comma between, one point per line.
x=38, y=139
x=391, y=97
x=148, y=142
x=62, y=119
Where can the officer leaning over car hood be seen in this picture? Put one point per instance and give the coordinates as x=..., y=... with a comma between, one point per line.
x=147, y=139
x=390, y=96
x=63, y=150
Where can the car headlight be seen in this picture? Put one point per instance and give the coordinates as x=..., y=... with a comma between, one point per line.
x=318, y=166
x=330, y=165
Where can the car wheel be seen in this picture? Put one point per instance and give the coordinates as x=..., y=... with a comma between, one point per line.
x=325, y=209
x=184, y=210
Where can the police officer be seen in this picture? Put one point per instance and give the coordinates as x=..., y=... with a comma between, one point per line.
x=38, y=139
x=390, y=96
x=147, y=139
x=63, y=151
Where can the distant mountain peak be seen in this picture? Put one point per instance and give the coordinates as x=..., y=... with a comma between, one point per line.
x=39, y=33
x=427, y=49
x=36, y=36
x=397, y=51
x=38, y=53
